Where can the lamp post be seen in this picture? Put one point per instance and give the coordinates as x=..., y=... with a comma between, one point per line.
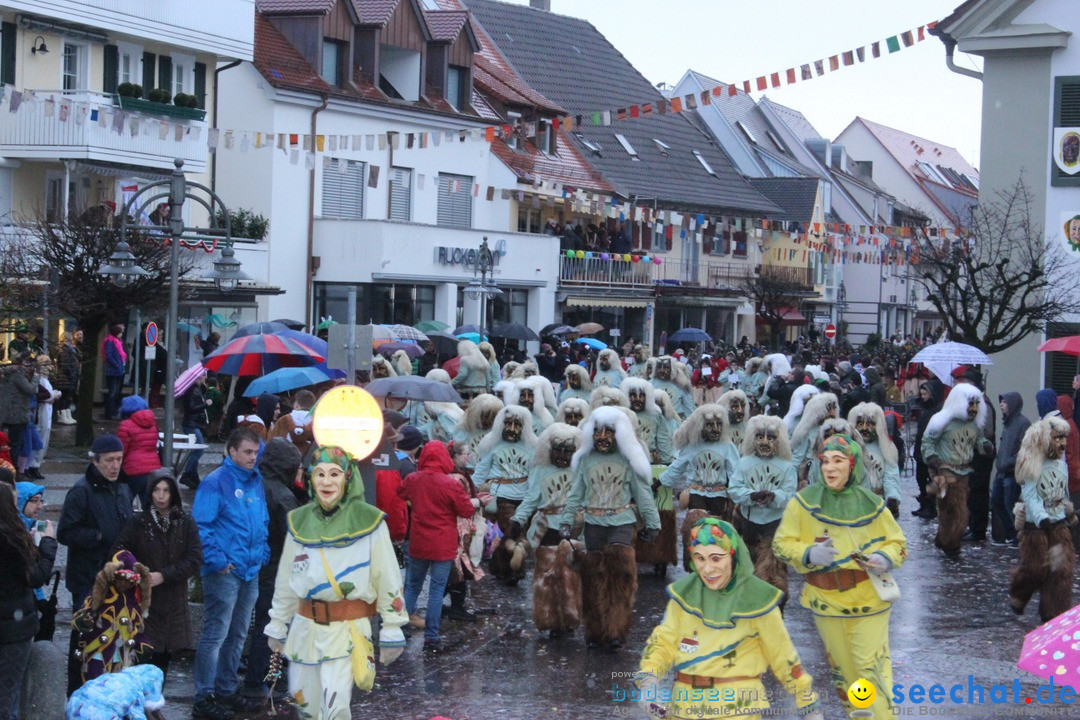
x=123, y=270
x=841, y=305
x=481, y=290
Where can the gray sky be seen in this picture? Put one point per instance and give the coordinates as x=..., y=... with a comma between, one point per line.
x=736, y=40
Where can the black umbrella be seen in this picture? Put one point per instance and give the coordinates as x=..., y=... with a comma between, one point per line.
x=514, y=331
x=47, y=612
x=291, y=324
x=466, y=329
x=691, y=334
x=261, y=328
x=557, y=329
x=445, y=343
x=412, y=387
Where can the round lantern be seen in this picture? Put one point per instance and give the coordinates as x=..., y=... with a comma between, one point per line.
x=350, y=418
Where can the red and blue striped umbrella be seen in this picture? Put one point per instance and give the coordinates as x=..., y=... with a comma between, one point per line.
x=260, y=354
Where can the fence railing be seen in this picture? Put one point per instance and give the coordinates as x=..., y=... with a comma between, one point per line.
x=595, y=272
x=802, y=277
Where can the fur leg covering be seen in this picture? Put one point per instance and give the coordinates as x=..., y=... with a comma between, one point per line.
x=556, y=588
x=952, y=511
x=1029, y=575
x=594, y=609
x=620, y=590
x=769, y=568
x=662, y=550
x=692, y=516
x=1055, y=596
x=503, y=557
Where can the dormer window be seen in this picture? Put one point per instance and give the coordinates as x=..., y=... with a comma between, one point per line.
x=399, y=73
x=457, y=87
x=627, y=146
x=513, y=119
x=546, y=138
x=333, y=58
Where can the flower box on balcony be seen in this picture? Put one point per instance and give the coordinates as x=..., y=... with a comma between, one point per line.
x=156, y=108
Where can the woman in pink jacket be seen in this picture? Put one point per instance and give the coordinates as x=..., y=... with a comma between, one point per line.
x=139, y=434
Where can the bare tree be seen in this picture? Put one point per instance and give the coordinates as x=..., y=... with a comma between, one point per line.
x=771, y=294
x=73, y=252
x=1002, y=279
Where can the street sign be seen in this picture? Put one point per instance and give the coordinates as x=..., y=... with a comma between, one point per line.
x=337, y=353
x=830, y=331
x=614, y=332
x=150, y=353
x=151, y=334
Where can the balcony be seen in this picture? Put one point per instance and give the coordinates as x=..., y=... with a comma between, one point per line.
x=84, y=126
x=605, y=275
x=722, y=276
x=801, y=278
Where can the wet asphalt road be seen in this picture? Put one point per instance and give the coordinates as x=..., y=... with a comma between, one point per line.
x=953, y=620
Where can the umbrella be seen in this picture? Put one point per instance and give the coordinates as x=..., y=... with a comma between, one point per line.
x=691, y=335
x=188, y=378
x=426, y=326
x=592, y=342
x=286, y=378
x=445, y=343
x=404, y=332
x=557, y=329
x=325, y=324
x=589, y=328
x=379, y=332
x=187, y=327
x=475, y=337
x=318, y=345
x=514, y=331
x=264, y=328
x=291, y=324
x=944, y=357
x=47, y=612
x=466, y=329
x=260, y=354
x=1052, y=650
x=413, y=351
x=1068, y=345
x=411, y=387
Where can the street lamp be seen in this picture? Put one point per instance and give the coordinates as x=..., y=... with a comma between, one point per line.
x=841, y=304
x=123, y=270
x=480, y=289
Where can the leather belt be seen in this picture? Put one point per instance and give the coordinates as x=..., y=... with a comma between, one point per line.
x=707, y=488
x=509, y=481
x=555, y=510
x=841, y=580
x=324, y=612
x=707, y=681
x=607, y=512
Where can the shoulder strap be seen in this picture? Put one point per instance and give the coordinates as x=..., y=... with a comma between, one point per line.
x=330, y=575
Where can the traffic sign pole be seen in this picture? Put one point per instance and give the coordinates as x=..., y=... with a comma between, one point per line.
x=830, y=331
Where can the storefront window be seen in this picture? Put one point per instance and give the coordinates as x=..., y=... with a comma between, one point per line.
x=377, y=302
x=511, y=307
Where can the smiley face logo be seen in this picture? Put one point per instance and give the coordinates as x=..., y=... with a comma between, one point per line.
x=862, y=693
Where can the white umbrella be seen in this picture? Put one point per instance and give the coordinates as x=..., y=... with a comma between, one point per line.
x=188, y=378
x=944, y=357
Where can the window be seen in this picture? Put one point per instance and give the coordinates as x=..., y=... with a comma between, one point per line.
x=7, y=182
x=1066, y=114
x=511, y=306
x=662, y=146
x=704, y=163
x=746, y=131
x=74, y=70
x=430, y=5
x=401, y=194
x=529, y=219
x=594, y=147
x=931, y=172
x=455, y=201
x=129, y=68
x=332, y=56
x=627, y=146
x=546, y=139
x=457, y=87
x=775, y=141
x=659, y=240
x=343, y=189
x=399, y=73
x=513, y=119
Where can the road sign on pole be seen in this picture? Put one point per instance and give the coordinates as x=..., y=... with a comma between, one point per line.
x=151, y=334
x=339, y=343
x=830, y=331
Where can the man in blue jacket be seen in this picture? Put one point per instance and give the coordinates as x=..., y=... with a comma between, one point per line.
x=230, y=509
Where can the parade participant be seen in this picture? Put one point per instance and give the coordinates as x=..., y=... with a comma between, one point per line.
x=705, y=463
x=776, y=368
x=337, y=571
x=951, y=439
x=611, y=472
x=509, y=368
x=608, y=397
x=470, y=534
x=573, y=412
x=296, y=426
x=797, y=406
x=670, y=378
x=439, y=420
x=503, y=465
x=722, y=605
x=754, y=382
x=738, y=409
x=381, y=368
x=476, y=423
x=525, y=370
x=609, y=370
x=819, y=408
x=880, y=455
x=578, y=384
x=494, y=371
x=641, y=360
x=1043, y=518
x=474, y=373
x=502, y=389
x=529, y=394
x=401, y=362
x=556, y=583
x=830, y=427
x=763, y=482
x=731, y=376
x=652, y=426
x=667, y=407
x=836, y=533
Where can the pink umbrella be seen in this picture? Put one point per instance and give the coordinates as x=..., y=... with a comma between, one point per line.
x=1052, y=650
x=188, y=378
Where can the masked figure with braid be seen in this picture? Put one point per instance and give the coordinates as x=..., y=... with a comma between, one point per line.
x=476, y=423
x=880, y=456
x=494, y=371
x=573, y=412
x=611, y=472
x=705, y=462
x=505, y=454
x=381, y=368
x=609, y=371
x=763, y=483
x=819, y=408
x=738, y=409
x=640, y=367
x=722, y=630
x=556, y=583
x=1044, y=517
x=672, y=377
x=474, y=372
x=667, y=407
x=578, y=384
x=529, y=394
x=655, y=434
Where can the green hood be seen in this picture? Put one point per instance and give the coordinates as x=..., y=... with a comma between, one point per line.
x=746, y=596
x=351, y=520
x=855, y=505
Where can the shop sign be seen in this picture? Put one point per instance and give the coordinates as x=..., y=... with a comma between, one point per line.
x=466, y=257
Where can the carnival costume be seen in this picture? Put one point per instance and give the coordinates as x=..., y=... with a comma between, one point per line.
x=529, y=394
x=474, y=372
x=641, y=363
x=667, y=407
x=476, y=423
x=879, y=457
x=609, y=371
x=673, y=377
x=578, y=384
x=737, y=405
x=819, y=408
x=573, y=412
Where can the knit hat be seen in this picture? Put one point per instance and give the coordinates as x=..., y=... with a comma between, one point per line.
x=132, y=404
x=411, y=438
x=106, y=444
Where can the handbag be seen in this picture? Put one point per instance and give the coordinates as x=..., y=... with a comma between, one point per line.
x=363, y=654
x=884, y=584
x=47, y=611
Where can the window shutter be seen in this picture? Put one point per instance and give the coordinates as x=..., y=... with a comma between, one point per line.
x=455, y=208
x=343, y=192
x=200, y=84
x=111, y=69
x=401, y=194
x=1066, y=114
x=6, y=191
x=165, y=73
x=7, y=54
x=149, y=61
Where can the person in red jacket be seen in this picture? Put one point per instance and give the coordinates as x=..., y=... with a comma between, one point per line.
x=437, y=500
x=139, y=434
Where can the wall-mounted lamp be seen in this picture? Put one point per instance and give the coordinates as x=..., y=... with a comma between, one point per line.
x=38, y=47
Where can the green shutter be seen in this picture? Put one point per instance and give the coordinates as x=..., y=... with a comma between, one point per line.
x=149, y=66
x=111, y=69
x=200, y=83
x=165, y=73
x=1066, y=114
x=7, y=54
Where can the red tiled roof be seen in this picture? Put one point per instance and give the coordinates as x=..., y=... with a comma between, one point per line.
x=568, y=167
x=909, y=150
x=374, y=12
x=280, y=63
x=294, y=7
x=445, y=25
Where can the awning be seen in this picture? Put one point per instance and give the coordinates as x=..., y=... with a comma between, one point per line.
x=585, y=301
x=788, y=316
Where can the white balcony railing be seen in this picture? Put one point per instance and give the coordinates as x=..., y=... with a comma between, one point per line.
x=89, y=126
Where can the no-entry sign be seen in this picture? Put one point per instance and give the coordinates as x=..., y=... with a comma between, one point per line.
x=151, y=334
x=830, y=331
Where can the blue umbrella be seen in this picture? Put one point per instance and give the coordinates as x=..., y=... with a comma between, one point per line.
x=260, y=328
x=475, y=337
x=592, y=342
x=691, y=335
x=287, y=378
x=318, y=345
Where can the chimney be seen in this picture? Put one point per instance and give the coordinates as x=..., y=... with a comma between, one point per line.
x=544, y=5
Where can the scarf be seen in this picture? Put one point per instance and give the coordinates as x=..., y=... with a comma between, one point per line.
x=161, y=521
x=853, y=505
x=346, y=522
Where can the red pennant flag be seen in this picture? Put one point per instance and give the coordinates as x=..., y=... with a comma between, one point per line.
x=849, y=58
x=861, y=54
x=621, y=113
x=875, y=49
x=646, y=109
x=732, y=91
x=718, y=91
x=907, y=38
x=762, y=83
x=676, y=104
x=775, y=79
x=555, y=124
x=746, y=86
x=507, y=130
x=661, y=107
x=489, y=134
x=706, y=97
x=931, y=25
x=922, y=33
x=791, y=76
x=834, y=63
x=634, y=111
